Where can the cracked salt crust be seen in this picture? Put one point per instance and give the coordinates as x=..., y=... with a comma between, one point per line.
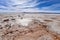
x=24, y=21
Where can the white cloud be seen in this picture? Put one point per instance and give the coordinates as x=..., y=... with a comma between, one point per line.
x=25, y=6
x=20, y=1
x=21, y=4
x=26, y=3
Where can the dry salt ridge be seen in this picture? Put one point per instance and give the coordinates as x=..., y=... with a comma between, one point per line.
x=29, y=27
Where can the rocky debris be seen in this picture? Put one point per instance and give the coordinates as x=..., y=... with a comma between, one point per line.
x=5, y=20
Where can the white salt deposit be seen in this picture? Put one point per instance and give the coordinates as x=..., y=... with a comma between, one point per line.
x=24, y=21
x=54, y=26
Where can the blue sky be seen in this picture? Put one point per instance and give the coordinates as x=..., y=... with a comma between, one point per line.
x=30, y=5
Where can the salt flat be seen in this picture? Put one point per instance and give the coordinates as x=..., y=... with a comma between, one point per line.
x=29, y=26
